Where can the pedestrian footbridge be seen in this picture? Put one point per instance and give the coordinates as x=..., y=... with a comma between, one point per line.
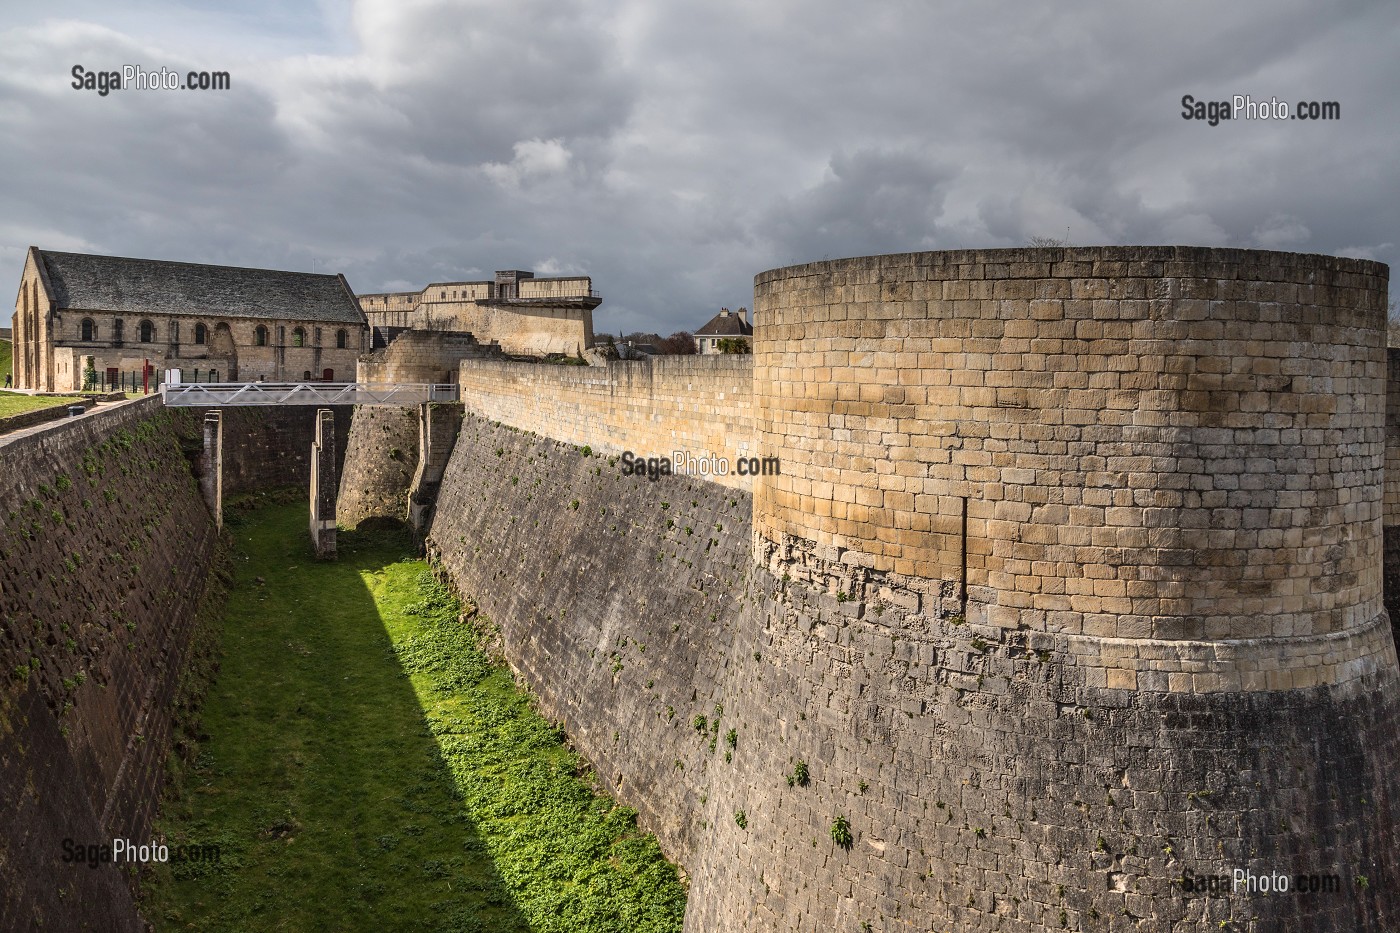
x=231, y=394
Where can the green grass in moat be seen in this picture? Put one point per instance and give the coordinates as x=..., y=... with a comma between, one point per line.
x=367, y=768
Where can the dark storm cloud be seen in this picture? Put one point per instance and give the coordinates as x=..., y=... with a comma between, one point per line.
x=674, y=150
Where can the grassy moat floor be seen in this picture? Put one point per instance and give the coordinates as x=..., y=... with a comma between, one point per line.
x=365, y=767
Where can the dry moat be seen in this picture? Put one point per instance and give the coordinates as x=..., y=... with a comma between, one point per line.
x=362, y=765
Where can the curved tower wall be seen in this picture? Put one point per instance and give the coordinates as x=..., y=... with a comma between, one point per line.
x=1067, y=593
x=1171, y=458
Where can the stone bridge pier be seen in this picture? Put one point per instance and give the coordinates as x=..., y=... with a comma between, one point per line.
x=438, y=426
x=324, y=483
x=211, y=480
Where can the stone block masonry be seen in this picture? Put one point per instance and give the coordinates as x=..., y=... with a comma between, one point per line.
x=105, y=553
x=699, y=404
x=1391, y=521
x=1152, y=451
x=265, y=448
x=617, y=603
x=438, y=426
x=381, y=458
x=1070, y=588
x=986, y=784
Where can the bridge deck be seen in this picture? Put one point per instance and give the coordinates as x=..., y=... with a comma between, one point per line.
x=230, y=394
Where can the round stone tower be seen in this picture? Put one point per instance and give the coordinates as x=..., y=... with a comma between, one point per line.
x=1080, y=551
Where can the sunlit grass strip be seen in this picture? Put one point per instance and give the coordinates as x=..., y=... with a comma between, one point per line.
x=366, y=768
x=573, y=860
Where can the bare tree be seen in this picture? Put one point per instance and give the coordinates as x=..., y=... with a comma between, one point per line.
x=681, y=343
x=1039, y=242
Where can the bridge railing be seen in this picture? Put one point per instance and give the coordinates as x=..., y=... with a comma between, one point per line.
x=230, y=394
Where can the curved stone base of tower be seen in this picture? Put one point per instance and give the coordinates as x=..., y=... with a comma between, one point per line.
x=990, y=782
x=1069, y=595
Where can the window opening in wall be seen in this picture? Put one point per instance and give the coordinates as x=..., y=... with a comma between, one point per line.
x=201, y=334
x=89, y=329
x=260, y=336
x=148, y=332
x=340, y=339
x=298, y=337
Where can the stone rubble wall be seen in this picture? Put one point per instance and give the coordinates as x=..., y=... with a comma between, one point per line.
x=106, y=549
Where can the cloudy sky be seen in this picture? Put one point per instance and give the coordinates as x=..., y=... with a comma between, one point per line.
x=674, y=149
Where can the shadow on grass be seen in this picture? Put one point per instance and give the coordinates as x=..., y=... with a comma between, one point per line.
x=318, y=776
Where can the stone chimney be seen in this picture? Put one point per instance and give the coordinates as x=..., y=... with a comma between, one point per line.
x=744, y=315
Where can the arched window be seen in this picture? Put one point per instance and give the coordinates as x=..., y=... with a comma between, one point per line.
x=148, y=332
x=201, y=334
x=298, y=337
x=260, y=336
x=341, y=339
x=89, y=329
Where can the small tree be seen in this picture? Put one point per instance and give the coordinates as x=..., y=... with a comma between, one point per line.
x=90, y=375
x=734, y=345
x=1041, y=242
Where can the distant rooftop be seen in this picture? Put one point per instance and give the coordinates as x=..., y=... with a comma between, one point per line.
x=154, y=286
x=727, y=324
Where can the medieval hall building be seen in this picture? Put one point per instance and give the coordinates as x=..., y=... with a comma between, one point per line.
x=78, y=313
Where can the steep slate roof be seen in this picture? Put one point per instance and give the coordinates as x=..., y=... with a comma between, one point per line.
x=726, y=325
x=152, y=286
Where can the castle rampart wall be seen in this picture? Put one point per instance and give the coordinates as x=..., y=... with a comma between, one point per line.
x=698, y=404
x=106, y=550
x=999, y=667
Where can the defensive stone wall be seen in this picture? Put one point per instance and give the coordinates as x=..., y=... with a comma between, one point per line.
x=698, y=404
x=1067, y=596
x=1391, y=521
x=534, y=317
x=380, y=454
x=105, y=555
x=617, y=601
x=269, y=447
x=1147, y=451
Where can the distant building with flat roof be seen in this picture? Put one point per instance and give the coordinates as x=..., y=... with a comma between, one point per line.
x=527, y=316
